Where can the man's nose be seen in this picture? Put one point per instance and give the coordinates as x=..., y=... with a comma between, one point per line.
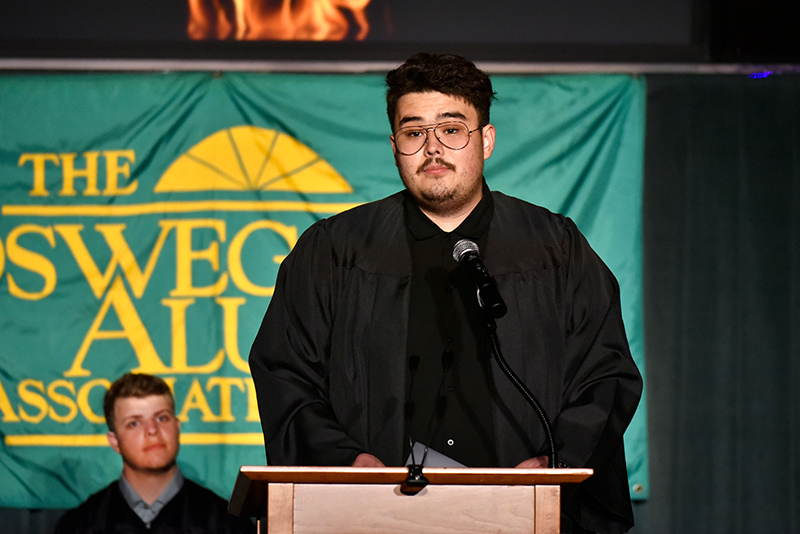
x=151, y=427
x=432, y=143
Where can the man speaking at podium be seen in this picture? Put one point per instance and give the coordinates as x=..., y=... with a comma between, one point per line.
x=375, y=339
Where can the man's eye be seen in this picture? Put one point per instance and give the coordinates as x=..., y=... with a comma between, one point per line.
x=453, y=129
x=163, y=418
x=133, y=424
x=414, y=133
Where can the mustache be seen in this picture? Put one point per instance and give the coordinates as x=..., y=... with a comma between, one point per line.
x=438, y=161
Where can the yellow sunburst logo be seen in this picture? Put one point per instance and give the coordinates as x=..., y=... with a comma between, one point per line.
x=248, y=158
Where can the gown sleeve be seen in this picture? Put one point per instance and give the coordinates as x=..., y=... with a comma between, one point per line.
x=602, y=388
x=290, y=359
x=602, y=384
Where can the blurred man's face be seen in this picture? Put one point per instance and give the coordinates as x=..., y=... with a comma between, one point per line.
x=147, y=433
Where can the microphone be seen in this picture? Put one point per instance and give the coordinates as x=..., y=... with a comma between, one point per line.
x=415, y=481
x=466, y=253
x=413, y=365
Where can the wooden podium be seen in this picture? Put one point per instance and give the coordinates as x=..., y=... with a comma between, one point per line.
x=353, y=500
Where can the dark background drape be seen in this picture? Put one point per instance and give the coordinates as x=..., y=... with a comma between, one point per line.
x=722, y=304
x=722, y=308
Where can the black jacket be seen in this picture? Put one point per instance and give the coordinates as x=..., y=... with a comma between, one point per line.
x=329, y=359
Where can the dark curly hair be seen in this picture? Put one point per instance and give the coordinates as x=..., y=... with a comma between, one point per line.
x=133, y=385
x=443, y=73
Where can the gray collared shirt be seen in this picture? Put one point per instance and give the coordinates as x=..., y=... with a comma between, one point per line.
x=148, y=512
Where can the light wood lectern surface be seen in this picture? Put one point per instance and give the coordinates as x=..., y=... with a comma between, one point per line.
x=353, y=500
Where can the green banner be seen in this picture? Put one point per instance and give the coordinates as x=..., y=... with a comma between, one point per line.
x=144, y=217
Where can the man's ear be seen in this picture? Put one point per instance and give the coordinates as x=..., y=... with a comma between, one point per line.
x=394, y=150
x=488, y=140
x=113, y=441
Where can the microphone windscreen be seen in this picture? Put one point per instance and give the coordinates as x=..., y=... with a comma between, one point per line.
x=462, y=247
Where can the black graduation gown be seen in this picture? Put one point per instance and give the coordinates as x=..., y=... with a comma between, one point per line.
x=329, y=360
x=194, y=510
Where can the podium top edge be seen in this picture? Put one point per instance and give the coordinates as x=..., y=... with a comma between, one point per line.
x=396, y=475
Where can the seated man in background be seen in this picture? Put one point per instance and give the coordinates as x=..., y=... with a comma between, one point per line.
x=152, y=494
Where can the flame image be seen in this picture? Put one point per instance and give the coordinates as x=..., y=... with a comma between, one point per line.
x=276, y=20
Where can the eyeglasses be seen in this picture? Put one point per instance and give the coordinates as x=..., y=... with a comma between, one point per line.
x=453, y=135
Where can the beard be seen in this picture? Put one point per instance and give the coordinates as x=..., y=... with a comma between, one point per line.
x=443, y=199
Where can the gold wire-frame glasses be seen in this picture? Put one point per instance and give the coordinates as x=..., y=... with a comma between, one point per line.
x=454, y=135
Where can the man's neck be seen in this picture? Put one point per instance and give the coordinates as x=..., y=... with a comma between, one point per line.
x=451, y=220
x=149, y=485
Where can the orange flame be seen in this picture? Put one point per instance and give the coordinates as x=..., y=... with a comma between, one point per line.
x=276, y=20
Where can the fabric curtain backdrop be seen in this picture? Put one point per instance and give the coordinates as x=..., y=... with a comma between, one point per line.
x=722, y=304
x=144, y=216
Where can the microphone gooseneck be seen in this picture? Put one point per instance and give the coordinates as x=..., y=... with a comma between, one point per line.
x=466, y=253
x=413, y=365
x=416, y=481
x=522, y=388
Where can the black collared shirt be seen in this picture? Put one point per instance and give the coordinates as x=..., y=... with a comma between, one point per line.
x=449, y=400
